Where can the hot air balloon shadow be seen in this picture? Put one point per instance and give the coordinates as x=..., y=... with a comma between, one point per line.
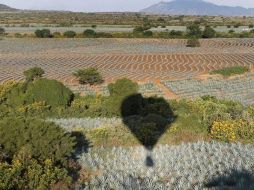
x=147, y=119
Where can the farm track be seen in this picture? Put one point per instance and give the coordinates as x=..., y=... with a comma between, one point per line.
x=137, y=59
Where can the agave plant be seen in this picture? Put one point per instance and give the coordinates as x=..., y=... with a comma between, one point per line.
x=186, y=166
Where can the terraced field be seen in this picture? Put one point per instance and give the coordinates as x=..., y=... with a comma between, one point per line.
x=138, y=59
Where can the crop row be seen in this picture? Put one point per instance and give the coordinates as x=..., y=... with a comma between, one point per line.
x=147, y=89
x=136, y=67
x=102, y=46
x=186, y=166
x=86, y=123
x=238, y=89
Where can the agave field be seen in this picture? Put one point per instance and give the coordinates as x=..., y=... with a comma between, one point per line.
x=238, y=89
x=142, y=60
x=73, y=124
x=200, y=165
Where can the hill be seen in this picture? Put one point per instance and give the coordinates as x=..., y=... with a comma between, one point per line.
x=5, y=8
x=197, y=7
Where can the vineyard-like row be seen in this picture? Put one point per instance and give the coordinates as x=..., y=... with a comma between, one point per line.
x=142, y=60
x=187, y=166
x=135, y=67
x=129, y=46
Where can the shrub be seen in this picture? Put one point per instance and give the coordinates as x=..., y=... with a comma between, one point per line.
x=15, y=96
x=237, y=25
x=18, y=35
x=89, y=76
x=51, y=92
x=44, y=140
x=231, y=31
x=194, y=31
x=70, y=34
x=87, y=106
x=251, y=25
x=209, y=32
x=138, y=29
x=175, y=33
x=34, y=108
x=33, y=73
x=148, y=33
x=44, y=33
x=123, y=87
x=5, y=88
x=232, y=130
x=27, y=173
x=229, y=71
x=2, y=31
x=119, y=90
x=210, y=109
x=193, y=43
x=56, y=34
x=103, y=35
x=89, y=33
x=224, y=130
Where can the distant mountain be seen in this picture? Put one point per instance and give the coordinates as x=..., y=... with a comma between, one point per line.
x=197, y=7
x=5, y=8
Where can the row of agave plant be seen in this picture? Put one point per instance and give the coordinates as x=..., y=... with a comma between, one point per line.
x=237, y=89
x=40, y=45
x=71, y=124
x=126, y=46
x=200, y=165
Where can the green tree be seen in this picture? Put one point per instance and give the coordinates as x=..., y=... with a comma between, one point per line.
x=119, y=90
x=194, y=31
x=70, y=34
x=175, y=33
x=51, y=92
x=251, y=25
x=237, y=25
x=89, y=33
x=44, y=33
x=138, y=29
x=209, y=32
x=88, y=76
x=2, y=31
x=33, y=73
x=44, y=140
x=231, y=31
x=148, y=33
x=123, y=87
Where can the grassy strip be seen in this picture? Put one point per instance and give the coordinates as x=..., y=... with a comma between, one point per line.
x=231, y=71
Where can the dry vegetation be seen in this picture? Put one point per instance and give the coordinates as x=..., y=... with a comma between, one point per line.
x=65, y=18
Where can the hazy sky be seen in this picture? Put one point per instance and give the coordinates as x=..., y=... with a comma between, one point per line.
x=103, y=5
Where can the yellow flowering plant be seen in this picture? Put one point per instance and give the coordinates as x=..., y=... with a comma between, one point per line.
x=232, y=130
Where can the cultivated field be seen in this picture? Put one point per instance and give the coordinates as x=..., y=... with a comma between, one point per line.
x=142, y=60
